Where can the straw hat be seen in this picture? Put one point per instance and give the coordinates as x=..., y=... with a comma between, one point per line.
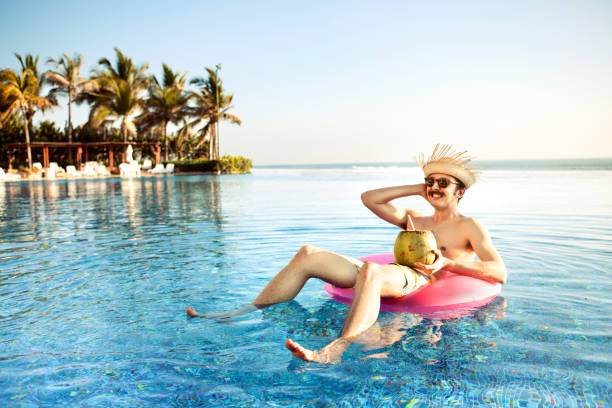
x=445, y=160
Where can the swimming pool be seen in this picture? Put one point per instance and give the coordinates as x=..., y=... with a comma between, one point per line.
x=95, y=276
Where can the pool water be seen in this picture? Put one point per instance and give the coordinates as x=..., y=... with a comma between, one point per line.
x=95, y=276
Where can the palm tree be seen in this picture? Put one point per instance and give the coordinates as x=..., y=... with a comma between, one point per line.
x=20, y=93
x=67, y=81
x=118, y=94
x=166, y=103
x=6, y=105
x=30, y=63
x=211, y=104
x=183, y=142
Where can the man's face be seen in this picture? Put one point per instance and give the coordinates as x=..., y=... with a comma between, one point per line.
x=442, y=197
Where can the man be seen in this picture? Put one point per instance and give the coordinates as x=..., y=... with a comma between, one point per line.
x=459, y=240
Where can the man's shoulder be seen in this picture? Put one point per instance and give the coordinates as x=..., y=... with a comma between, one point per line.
x=468, y=220
x=472, y=225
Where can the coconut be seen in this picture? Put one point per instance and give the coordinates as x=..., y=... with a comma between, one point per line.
x=415, y=246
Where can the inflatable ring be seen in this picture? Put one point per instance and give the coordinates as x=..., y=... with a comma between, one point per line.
x=450, y=296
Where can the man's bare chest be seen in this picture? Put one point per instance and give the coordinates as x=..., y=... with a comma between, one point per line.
x=451, y=240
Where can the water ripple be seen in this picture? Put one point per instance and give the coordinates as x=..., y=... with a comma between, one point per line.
x=95, y=277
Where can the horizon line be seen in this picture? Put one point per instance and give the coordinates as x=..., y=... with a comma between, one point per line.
x=416, y=165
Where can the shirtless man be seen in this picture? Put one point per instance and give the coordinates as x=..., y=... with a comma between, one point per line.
x=459, y=240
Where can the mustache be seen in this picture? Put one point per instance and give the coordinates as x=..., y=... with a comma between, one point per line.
x=432, y=192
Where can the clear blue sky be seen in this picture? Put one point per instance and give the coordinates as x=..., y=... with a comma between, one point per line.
x=357, y=81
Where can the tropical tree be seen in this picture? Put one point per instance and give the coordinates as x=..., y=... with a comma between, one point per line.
x=185, y=141
x=67, y=80
x=166, y=103
x=30, y=63
x=19, y=93
x=6, y=103
x=118, y=93
x=211, y=104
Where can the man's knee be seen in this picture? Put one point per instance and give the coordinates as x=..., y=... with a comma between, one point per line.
x=370, y=272
x=307, y=250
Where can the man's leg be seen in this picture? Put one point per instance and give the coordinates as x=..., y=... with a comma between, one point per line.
x=309, y=262
x=373, y=281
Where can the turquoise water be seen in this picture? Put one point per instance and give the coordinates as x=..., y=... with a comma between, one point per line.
x=95, y=276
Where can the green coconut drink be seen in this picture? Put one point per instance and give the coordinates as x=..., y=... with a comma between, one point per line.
x=415, y=246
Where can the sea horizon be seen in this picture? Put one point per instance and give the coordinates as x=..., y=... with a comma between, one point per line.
x=598, y=163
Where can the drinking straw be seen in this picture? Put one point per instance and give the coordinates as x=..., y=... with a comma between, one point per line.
x=411, y=224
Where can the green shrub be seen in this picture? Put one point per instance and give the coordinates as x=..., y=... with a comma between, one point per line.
x=235, y=165
x=225, y=165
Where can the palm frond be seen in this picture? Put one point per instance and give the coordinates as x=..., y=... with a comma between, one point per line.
x=232, y=118
x=58, y=80
x=9, y=105
x=204, y=132
x=98, y=115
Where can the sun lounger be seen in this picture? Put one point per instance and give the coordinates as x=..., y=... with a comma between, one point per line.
x=147, y=164
x=125, y=170
x=37, y=170
x=129, y=169
x=71, y=171
x=59, y=171
x=90, y=169
x=50, y=173
x=102, y=170
x=90, y=172
x=135, y=168
x=159, y=169
x=8, y=176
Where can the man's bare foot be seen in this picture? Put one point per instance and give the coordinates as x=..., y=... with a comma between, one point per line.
x=191, y=312
x=330, y=354
x=222, y=316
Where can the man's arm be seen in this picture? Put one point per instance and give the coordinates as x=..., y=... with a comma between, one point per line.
x=490, y=266
x=378, y=201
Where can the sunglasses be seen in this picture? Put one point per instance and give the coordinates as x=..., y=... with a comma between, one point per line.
x=443, y=182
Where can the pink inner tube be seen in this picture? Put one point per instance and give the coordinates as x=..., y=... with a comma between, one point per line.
x=450, y=296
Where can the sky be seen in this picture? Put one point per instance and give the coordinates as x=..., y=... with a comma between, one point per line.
x=359, y=81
